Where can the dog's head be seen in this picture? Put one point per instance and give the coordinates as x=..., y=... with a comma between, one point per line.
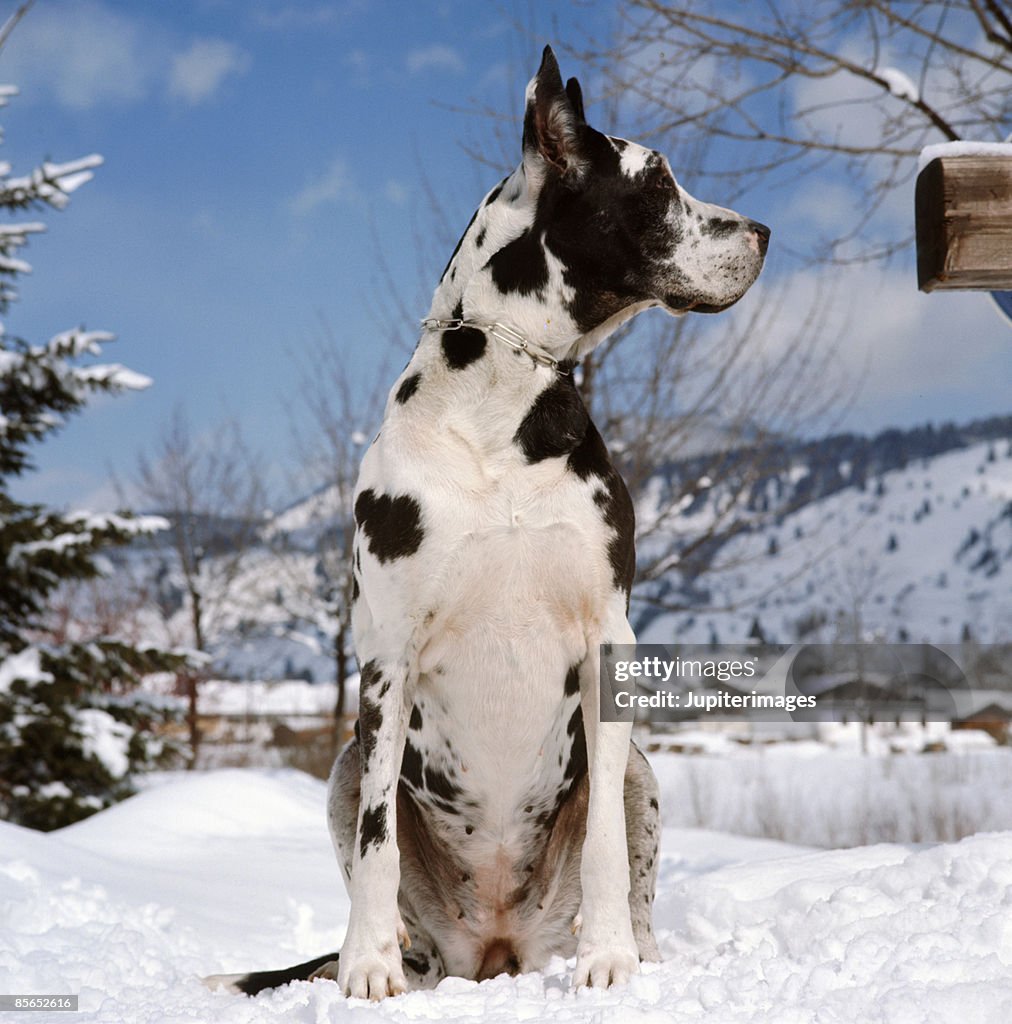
x=624, y=231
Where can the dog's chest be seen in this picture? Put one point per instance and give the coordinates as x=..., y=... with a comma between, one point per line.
x=512, y=566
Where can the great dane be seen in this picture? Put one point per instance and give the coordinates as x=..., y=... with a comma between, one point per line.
x=484, y=818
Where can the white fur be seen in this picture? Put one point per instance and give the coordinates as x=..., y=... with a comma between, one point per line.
x=633, y=159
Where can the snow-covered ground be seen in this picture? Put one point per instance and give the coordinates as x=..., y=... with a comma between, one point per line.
x=233, y=870
x=811, y=793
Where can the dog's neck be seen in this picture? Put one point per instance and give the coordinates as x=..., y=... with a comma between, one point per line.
x=485, y=290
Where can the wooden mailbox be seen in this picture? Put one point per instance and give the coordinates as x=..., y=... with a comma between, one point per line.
x=964, y=223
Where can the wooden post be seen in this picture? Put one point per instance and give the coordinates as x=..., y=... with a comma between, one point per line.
x=964, y=223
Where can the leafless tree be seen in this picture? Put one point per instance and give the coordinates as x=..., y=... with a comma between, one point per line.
x=787, y=88
x=211, y=490
x=338, y=415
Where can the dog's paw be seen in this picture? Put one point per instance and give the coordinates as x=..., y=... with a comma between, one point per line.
x=372, y=975
x=372, y=969
x=598, y=966
x=329, y=971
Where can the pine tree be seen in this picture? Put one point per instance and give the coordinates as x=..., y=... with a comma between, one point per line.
x=73, y=727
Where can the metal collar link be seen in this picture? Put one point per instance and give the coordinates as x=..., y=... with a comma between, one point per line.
x=501, y=332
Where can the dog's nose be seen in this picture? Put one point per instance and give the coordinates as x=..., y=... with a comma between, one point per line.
x=762, y=233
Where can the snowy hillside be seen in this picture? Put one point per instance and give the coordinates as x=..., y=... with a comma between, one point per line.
x=234, y=870
x=916, y=554
x=905, y=536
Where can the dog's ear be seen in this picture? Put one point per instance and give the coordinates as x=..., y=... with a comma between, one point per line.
x=575, y=94
x=551, y=119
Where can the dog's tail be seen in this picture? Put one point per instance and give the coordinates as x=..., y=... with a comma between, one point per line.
x=251, y=984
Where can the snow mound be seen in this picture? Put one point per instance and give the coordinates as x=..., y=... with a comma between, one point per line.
x=233, y=870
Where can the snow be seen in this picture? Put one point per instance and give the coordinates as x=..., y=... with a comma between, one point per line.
x=105, y=739
x=899, y=83
x=115, y=375
x=78, y=342
x=53, y=183
x=286, y=697
x=233, y=870
x=816, y=794
x=963, y=148
x=25, y=665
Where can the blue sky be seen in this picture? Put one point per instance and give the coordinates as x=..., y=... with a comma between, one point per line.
x=259, y=153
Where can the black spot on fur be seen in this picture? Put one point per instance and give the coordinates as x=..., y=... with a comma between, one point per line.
x=370, y=719
x=417, y=962
x=572, y=681
x=589, y=459
x=393, y=525
x=374, y=828
x=374, y=685
x=415, y=722
x=576, y=766
x=371, y=676
x=469, y=829
x=479, y=239
x=496, y=192
x=555, y=424
x=439, y=784
x=719, y=227
x=654, y=804
x=520, y=266
x=464, y=345
x=411, y=766
x=355, y=591
x=408, y=387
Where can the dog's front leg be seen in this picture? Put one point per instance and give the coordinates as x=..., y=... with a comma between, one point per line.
x=606, y=953
x=370, y=961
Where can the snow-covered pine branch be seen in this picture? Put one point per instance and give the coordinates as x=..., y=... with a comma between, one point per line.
x=48, y=369
x=51, y=184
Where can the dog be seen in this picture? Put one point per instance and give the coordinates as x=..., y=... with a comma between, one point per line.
x=484, y=818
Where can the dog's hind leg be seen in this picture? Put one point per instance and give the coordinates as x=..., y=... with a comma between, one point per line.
x=422, y=963
x=642, y=824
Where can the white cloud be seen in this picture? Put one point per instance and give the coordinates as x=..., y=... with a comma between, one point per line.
x=283, y=16
x=395, y=192
x=81, y=54
x=332, y=186
x=85, y=54
x=912, y=355
x=437, y=57
x=198, y=72
x=360, y=64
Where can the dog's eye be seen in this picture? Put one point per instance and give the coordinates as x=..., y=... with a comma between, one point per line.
x=664, y=183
